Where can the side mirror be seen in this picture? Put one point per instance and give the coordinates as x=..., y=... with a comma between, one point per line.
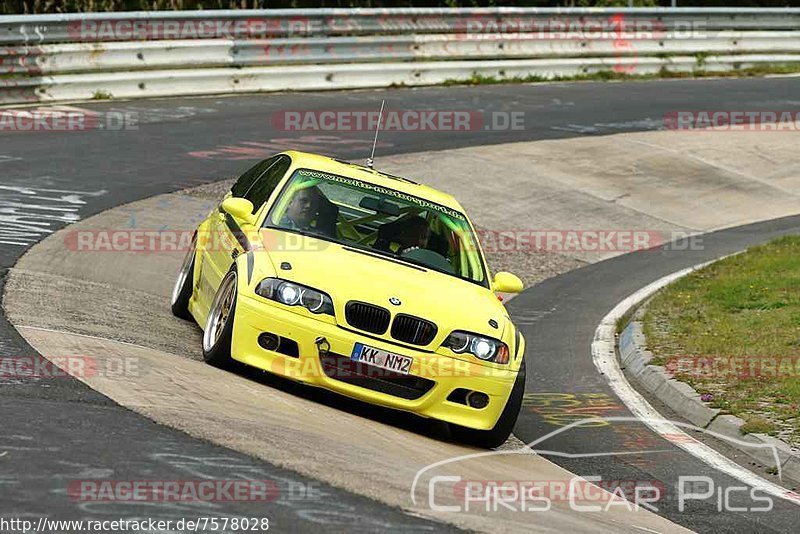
x=240, y=209
x=507, y=283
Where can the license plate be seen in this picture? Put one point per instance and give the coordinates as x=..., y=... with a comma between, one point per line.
x=380, y=358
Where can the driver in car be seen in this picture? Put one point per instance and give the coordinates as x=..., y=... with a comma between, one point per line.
x=412, y=239
x=415, y=233
x=404, y=234
x=304, y=212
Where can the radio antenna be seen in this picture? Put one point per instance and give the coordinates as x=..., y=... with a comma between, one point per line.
x=371, y=159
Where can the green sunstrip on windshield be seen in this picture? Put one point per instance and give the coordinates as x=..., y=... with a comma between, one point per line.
x=382, y=190
x=461, y=229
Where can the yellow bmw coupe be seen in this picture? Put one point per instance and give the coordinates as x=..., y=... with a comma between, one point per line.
x=367, y=284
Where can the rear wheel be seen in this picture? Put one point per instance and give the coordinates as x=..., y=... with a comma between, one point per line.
x=182, y=291
x=496, y=436
x=219, y=325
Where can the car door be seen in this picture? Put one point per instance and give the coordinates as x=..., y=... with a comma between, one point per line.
x=224, y=240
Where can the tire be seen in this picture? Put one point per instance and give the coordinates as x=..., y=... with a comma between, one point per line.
x=496, y=436
x=182, y=291
x=218, y=332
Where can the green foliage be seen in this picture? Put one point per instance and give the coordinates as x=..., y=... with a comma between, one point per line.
x=746, y=309
x=757, y=425
x=700, y=57
x=616, y=3
x=610, y=75
x=69, y=6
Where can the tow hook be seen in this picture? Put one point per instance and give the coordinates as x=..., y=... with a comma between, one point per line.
x=323, y=347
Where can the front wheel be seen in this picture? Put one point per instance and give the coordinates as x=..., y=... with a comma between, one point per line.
x=496, y=436
x=219, y=325
x=182, y=290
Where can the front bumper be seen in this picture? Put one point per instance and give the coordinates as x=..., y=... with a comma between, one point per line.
x=432, y=377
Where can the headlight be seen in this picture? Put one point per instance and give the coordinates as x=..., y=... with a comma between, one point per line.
x=483, y=348
x=293, y=294
x=289, y=294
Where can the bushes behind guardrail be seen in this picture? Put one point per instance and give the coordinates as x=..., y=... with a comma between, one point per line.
x=9, y=7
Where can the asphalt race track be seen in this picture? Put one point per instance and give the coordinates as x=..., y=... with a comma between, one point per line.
x=63, y=429
x=573, y=305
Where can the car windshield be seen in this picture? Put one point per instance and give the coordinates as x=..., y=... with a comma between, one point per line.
x=381, y=220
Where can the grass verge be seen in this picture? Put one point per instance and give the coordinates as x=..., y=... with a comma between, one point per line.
x=732, y=331
x=608, y=75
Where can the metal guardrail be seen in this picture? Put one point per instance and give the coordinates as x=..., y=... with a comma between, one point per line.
x=149, y=55
x=76, y=56
x=355, y=76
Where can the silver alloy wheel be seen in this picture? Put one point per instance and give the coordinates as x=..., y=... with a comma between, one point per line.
x=185, y=271
x=220, y=311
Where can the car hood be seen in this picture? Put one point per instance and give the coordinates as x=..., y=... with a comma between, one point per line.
x=347, y=274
